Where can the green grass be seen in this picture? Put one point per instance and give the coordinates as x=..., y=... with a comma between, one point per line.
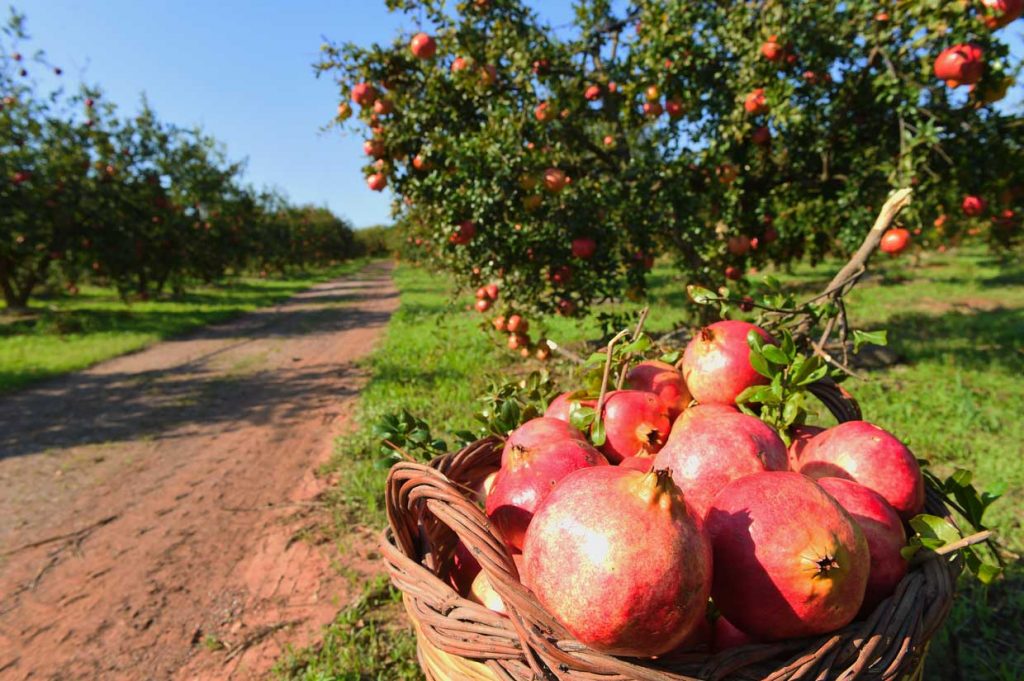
x=64, y=333
x=956, y=321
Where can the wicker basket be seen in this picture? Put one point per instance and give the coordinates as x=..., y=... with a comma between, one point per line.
x=430, y=508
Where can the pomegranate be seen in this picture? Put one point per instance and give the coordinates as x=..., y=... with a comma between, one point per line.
x=483, y=305
x=728, y=636
x=517, y=324
x=560, y=406
x=761, y=136
x=883, y=530
x=771, y=49
x=973, y=206
x=895, y=241
x=635, y=422
x=464, y=233
x=423, y=46
x=492, y=291
x=800, y=435
x=716, y=363
x=738, y=245
x=464, y=568
x=675, y=108
x=526, y=477
x=733, y=273
x=539, y=432
x=999, y=13
x=665, y=381
x=363, y=94
x=643, y=463
x=583, y=248
x=712, y=448
x=612, y=592
x=756, y=103
x=789, y=561
x=555, y=180
x=377, y=182
x=960, y=65
x=863, y=452
x=592, y=93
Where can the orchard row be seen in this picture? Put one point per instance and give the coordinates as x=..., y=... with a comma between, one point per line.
x=130, y=201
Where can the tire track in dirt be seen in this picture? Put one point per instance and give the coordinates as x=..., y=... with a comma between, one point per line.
x=151, y=504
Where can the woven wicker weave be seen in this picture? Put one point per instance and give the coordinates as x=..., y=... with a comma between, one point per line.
x=430, y=508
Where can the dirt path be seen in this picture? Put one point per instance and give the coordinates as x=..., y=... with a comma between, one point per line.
x=169, y=492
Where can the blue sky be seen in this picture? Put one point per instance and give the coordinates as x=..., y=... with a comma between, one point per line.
x=242, y=70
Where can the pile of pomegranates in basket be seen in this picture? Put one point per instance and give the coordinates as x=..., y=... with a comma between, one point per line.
x=689, y=499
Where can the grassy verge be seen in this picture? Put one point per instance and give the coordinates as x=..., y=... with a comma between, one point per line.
x=956, y=321
x=66, y=333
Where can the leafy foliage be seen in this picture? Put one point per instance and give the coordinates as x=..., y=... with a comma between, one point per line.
x=631, y=130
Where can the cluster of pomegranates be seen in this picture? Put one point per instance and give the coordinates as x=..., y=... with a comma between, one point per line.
x=687, y=500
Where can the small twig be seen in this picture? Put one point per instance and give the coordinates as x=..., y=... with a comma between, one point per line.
x=405, y=455
x=821, y=352
x=969, y=540
x=77, y=535
x=564, y=352
x=607, y=372
x=636, y=334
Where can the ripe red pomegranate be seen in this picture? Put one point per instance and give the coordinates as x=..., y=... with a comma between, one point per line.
x=492, y=291
x=561, y=275
x=675, y=108
x=482, y=305
x=544, y=113
x=973, y=206
x=555, y=180
x=518, y=341
x=592, y=93
x=583, y=248
x=652, y=109
x=527, y=476
x=728, y=636
x=643, y=463
x=800, y=435
x=761, y=136
x=960, y=65
x=789, y=561
x=738, y=245
x=374, y=148
x=883, y=531
x=517, y=324
x=634, y=422
x=561, y=405
x=612, y=592
x=712, y=447
x=771, y=49
x=756, y=103
x=665, y=381
x=895, y=241
x=863, y=452
x=363, y=94
x=464, y=233
x=539, y=432
x=459, y=64
x=499, y=323
x=383, y=107
x=423, y=46
x=377, y=182
x=464, y=568
x=1001, y=12
x=716, y=363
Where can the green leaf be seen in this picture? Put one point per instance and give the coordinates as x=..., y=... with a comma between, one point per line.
x=935, y=528
x=757, y=394
x=861, y=338
x=597, y=434
x=671, y=357
x=700, y=295
x=774, y=354
x=638, y=346
x=760, y=365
